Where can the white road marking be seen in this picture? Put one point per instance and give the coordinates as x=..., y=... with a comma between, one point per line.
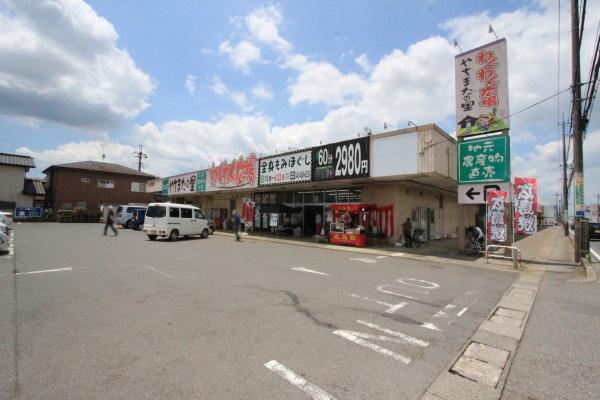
x=428, y=285
x=442, y=312
x=406, y=338
x=397, y=254
x=429, y=325
x=364, y=259
x=380, y=257
x=311, y=271
x=11, y=245
x=348, y=335
x=382, y=290
x=395, y=308
x=461, y=312
x=373, y=300
x=45, y=270
x=299, y=381
x=158, y=271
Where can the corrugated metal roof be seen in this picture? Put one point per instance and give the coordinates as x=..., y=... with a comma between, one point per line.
x=34, y=186
x=16, y=159
x=100, y=167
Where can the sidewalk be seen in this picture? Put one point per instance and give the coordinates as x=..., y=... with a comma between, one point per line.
x=547, y=247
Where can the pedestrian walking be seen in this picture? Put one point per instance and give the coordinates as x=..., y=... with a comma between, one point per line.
x=237, y=223
x=109, y=220
x=407, y=231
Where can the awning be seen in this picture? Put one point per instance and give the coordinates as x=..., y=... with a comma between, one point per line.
x=279, y=209
x=353, y=207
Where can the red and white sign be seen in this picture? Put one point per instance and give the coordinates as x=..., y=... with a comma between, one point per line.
x=496, y=223
x=241, y=173
x=385, y=219
x=525, y=200
x=248, y=209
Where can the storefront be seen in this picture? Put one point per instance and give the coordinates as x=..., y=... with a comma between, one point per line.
x=410, y=173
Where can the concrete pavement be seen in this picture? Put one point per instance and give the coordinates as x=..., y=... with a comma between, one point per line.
x=103, y=317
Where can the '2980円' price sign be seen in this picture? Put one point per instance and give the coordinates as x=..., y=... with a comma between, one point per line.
x=342, y=160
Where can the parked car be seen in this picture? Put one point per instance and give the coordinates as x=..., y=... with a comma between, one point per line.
x=3, y=228
x=137, y=219
x=4, y=242
x=6, y=218
x=174, y=220
x=211, y=227
x=124, y=215
x=594, y=231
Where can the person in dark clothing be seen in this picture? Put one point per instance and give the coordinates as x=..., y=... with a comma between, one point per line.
x=407, y=231
x=110, y=220
x=237, y=223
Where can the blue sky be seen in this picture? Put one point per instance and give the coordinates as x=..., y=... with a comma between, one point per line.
x=199, y=81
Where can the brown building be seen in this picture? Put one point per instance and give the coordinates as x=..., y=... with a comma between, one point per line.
x=90, y=184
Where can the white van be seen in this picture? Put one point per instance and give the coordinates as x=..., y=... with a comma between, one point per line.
x=173, y=220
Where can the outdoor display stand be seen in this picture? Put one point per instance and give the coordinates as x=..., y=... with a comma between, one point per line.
x=349, y=225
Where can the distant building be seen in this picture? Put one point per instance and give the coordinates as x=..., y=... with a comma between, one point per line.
x=90, y=184
x=14, y=189
x=548, y=215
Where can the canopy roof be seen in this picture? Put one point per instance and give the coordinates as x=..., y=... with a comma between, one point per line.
x=355, y=207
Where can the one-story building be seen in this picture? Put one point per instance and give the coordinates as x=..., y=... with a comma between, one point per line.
x=392, y=176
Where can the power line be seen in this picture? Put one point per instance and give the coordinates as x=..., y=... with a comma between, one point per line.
x=540, y=102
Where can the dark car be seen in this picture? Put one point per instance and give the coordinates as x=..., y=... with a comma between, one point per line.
x=137, y=219
x=211, y=227
x=594, y=231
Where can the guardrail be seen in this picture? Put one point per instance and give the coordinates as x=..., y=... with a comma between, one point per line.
x=515, y=254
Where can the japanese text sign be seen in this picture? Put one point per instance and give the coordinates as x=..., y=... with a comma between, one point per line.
x=525, y=201
x=285, y=168
x=484, y=160
x=342, y=160
x=182, y=184
x=496, y=223
x=481, y=90
x=240, y=173
x=201, y=182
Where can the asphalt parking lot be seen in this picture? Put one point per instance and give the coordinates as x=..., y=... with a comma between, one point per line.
x=122, y=317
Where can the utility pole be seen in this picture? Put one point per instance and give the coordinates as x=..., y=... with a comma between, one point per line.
x=139, y=155
x=565, y=189
x=577, y=133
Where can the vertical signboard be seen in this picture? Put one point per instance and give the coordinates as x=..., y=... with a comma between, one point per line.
x=525, y=201
x=285, y=168
x=201, y=181
x=482, y=90
x=496, y=222
x=248, y=212
x=484, y=160
x=579, y=195
x=342, y=160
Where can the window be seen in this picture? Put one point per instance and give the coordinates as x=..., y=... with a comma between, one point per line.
x=138, y=187
x=289, y=197
x=298, y=197
x=330, y=196
x=186, y=213
x=355, y=195
x=198, y=214
x=82, y=205
x=318, y=197
x=173, y=212
x=67, y=206
x=308, y=197
x=85, y=180
x=106, y=183
x=343, y=195
x=156, y=212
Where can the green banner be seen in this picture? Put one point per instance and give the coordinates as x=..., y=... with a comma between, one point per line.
x=201, y=182
x=484, y=160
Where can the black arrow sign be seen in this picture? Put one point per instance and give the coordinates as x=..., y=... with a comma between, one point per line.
x=471, y=193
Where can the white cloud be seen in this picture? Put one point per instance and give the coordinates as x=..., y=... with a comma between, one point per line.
x=261, y=91
x=241, y=55
x=263, y=24
x=364, y=63
x=59, y=63
x=81, y=151
x=323, y=83
x=239, y=98
x=190, y=84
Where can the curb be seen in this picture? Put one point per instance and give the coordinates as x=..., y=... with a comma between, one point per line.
x=481, y=368
x=497, y=266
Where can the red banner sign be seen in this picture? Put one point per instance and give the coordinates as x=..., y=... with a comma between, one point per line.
x=496, y=223
x=525, y=201
x=240, y=173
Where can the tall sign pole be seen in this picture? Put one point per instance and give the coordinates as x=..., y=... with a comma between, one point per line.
x=577, y=133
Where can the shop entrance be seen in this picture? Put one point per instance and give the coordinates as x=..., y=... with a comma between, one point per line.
x=313, y=219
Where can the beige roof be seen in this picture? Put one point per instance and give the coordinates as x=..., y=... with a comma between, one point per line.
x=16, y=159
